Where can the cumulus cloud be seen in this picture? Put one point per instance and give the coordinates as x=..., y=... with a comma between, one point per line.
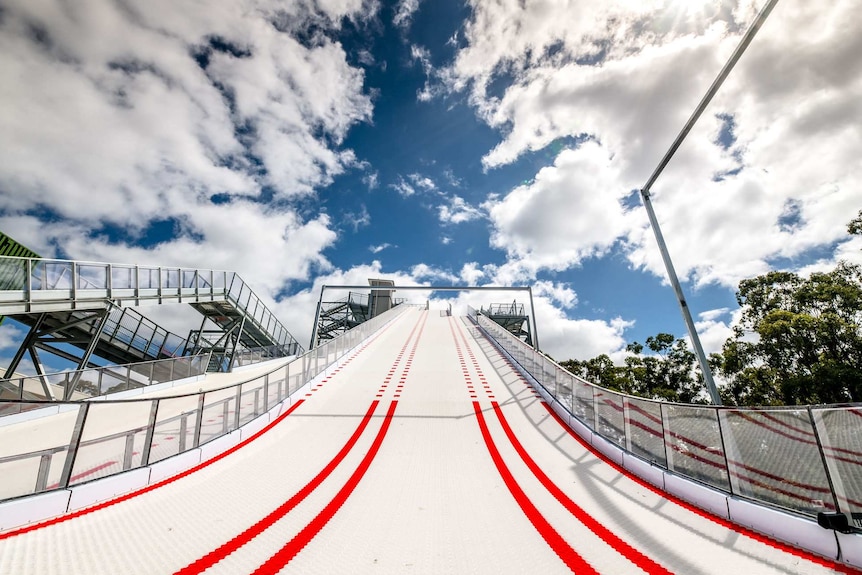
x=623, y=78
x=163, y=112
x=571, y=211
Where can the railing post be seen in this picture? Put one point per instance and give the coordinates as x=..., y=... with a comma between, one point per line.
x=197, y=437
x=266, y=393
x=151, y=430
x=130, y=447
x=237, y=407
x=184, y=429
x=74, y=445
x=42, y=476
x=825, y=463
x=74, y=277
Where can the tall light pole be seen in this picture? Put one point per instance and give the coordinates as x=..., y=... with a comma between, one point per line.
x=645, y=194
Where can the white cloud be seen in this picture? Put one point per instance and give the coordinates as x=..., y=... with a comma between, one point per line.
x=403, y=188
x=628, y=76
x=559, y=293
x=371, y=180
x=360, y=220
x=571, y=211
x=379, y=248
x=129, y=117
x=404, y=12
x=457, y=211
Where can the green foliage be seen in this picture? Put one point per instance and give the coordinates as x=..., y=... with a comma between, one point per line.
x=667, y=370
x=799, y=340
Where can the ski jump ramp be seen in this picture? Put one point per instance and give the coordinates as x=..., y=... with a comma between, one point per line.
x=423, y=451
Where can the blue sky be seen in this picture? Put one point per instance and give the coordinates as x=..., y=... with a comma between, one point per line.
x=437, y=142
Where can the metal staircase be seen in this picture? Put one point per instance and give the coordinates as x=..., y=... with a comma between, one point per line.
x=78, y=310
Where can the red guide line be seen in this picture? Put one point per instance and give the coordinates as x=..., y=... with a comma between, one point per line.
x=569, y=556
x=839, y=567
x=151, y=487
x=608, y=536
x=284, y=555
x=226, y=549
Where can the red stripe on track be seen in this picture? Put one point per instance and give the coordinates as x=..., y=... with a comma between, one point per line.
x=839, y=567
x=284, y=555
x=153, y=486
x=603, y=532
x=223, y=551
x=560, y=546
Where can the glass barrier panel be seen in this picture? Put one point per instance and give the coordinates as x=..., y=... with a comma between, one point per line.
x=276, y=384
x=840, y=432
x=112, y=440
x=610, y=416
x=148, y=278
x=20, y=475
x=189, y=278
x=175, y=426
x=92, y=276
x=251, y=402
x=644, y=431
x=52, y=275
x=170, y=278
x=219, y=414
x=122, y=277
x=27, y=443
x=772, y=456
x=110, y=383
x=549, y=375
x=565, y=388
x=693, y=444
x=13, y=274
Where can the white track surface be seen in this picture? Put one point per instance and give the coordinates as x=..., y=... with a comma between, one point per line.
x=432, y=500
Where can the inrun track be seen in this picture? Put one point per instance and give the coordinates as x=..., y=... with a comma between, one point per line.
x=424, y=452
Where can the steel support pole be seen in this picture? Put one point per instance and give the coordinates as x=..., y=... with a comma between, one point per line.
x=645, y=193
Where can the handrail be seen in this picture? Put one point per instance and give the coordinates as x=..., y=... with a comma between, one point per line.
x=101, y=438
x=803, y=459
x=160, y=370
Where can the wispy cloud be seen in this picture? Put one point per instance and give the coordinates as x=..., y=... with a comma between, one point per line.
x=360, y=220
x=380, y=248
x=404, y=12
x=458, y=211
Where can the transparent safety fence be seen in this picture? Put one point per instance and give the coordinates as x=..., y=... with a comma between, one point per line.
x=78, y=441
x=803, y=459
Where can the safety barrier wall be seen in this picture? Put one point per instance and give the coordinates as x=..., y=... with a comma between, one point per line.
x=99, y=381
x=89, y=440
x=803, y=459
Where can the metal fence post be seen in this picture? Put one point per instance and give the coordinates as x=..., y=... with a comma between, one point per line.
x=151, y=430
x=74, y=444
x=197, y=437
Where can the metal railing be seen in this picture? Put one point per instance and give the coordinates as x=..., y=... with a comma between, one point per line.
x=32, y=284
x=99, y=381
x=87, y=440
x=804, y=459
x=259, y=354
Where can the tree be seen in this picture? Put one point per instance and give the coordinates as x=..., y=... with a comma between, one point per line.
x=799, y=340
x=668, y=372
